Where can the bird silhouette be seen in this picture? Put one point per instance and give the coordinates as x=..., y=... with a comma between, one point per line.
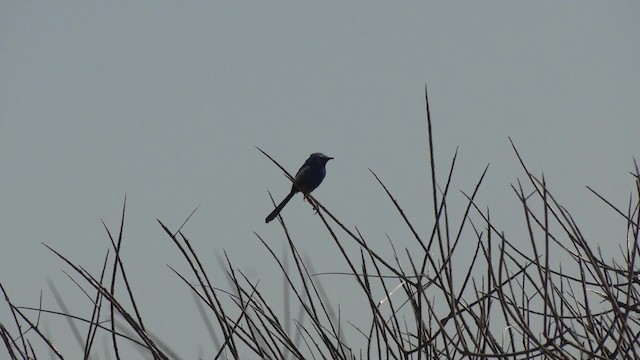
x=306, y=180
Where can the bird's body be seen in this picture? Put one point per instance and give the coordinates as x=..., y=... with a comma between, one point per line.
x=309, y=177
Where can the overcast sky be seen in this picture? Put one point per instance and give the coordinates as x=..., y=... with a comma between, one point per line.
x=165, y=101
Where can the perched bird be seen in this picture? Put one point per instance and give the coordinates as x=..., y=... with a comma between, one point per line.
x=307, y=179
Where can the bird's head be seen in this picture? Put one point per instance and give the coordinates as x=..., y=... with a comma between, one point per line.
x=319, y=158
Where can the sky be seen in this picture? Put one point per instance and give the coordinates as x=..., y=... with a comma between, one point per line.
x=166, y=102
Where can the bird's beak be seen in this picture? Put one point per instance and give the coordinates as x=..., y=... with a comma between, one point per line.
x=329, y=158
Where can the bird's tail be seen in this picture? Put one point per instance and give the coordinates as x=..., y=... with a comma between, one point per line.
x=278, y=208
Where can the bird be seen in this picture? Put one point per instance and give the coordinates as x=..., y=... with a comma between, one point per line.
x=308, y=178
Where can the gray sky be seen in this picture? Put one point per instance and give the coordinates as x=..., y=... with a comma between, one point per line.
x=166, y=102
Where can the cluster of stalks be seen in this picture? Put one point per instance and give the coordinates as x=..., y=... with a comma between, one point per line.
x=499, y=299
